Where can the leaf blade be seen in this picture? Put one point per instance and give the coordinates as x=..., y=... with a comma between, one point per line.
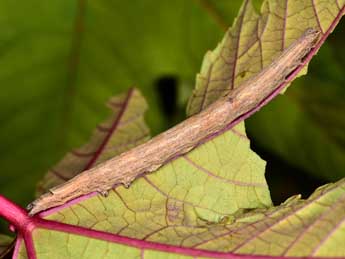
x=244, y=219
x=276, y=232
x=125, y=129
x=107, y=66
x=6, y=244
x=247, y=46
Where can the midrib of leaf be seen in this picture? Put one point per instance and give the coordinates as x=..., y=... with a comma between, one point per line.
x=72, y=70
x=131, y=242
x=46, y=224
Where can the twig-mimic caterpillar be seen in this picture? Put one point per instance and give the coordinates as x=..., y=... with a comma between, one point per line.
x=216, y=118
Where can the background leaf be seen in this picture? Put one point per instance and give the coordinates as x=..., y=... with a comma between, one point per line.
x=43, y=117
x=248, y=46
x=60, y=61
x=124, y=130
x=312, y=110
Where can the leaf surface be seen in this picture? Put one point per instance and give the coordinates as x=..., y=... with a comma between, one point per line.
x=217, y=180
x=5, y=245
x=60, y=61
x=160, y=209
x=251, y=44
x=208, y=186
x=210, y=196
x=220, y=177
x=312, y=110
x=255, y=40
x=124, y=130
x=311, y=228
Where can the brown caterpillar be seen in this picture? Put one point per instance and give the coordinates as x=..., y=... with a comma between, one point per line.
x=185, y=136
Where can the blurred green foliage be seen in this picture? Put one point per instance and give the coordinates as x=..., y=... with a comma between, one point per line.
x=309, y=119
x=61, y=60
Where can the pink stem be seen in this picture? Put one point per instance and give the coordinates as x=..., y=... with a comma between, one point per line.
x=20, y=220
x=14, y=214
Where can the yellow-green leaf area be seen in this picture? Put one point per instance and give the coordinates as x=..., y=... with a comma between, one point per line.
x=124, y=130
x=5, y=242
x=60, y=245
x=254, y=41
x=209, y=185
x=313, y=227
x=298, y=228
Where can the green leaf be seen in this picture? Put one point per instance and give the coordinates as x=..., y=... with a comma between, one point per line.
x=185, y=204
x=313, y=115
x=306, y=228
x=60, y=61
x=124, y=130
x=219, y=178
x=308, y=114
x=197, y=201
x=254, y=41
x=211, y=185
